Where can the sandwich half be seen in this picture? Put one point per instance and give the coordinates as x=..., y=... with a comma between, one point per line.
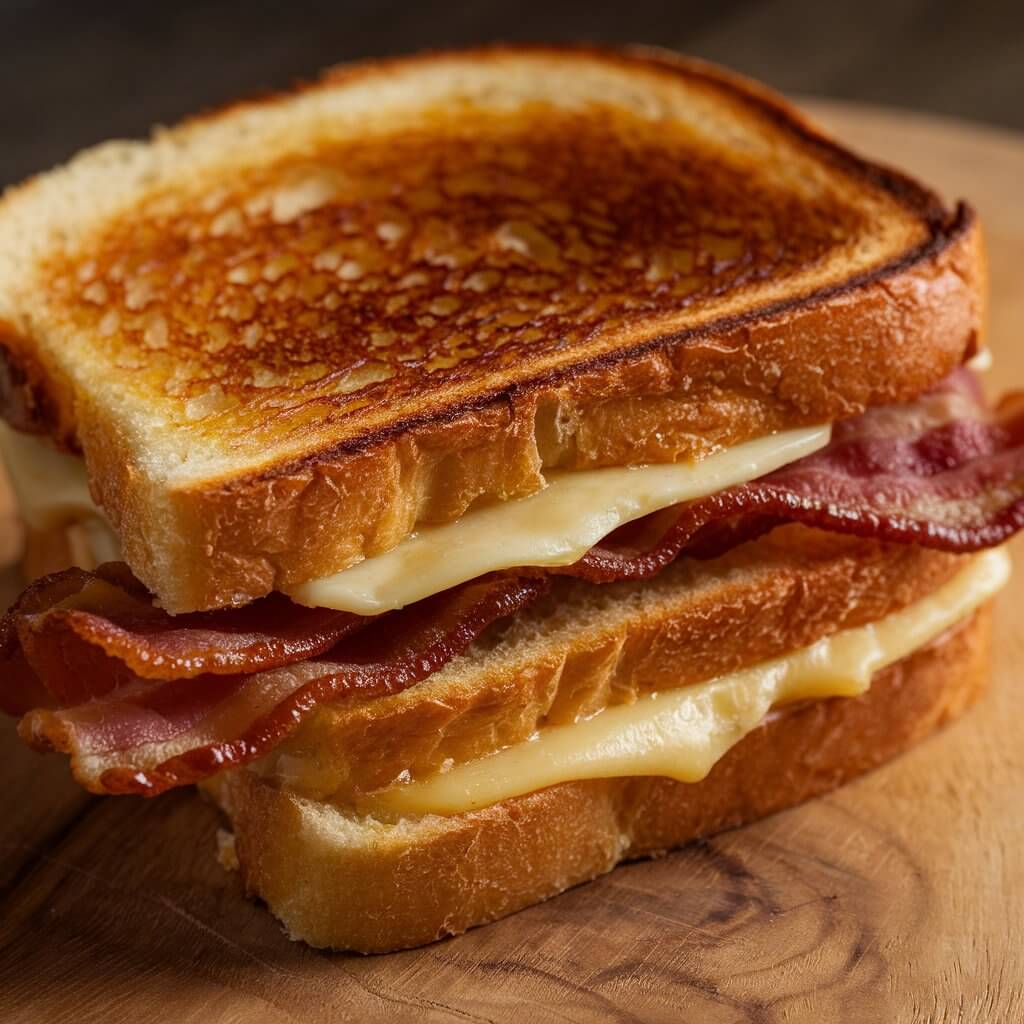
x=476, y=469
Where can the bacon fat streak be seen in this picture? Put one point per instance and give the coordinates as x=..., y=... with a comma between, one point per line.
x=143, y=701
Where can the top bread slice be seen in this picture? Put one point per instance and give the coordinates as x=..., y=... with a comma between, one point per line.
x=285, y=333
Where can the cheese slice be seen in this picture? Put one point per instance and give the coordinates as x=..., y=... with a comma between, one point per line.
x=52, y=487
x=52, y=490
x=682, y=733
x=556, y=526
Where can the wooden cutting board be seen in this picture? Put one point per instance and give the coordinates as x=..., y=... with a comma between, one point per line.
x=899, y=898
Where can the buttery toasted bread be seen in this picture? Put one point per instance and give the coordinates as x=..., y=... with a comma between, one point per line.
x=285, y=333
x=339, y=879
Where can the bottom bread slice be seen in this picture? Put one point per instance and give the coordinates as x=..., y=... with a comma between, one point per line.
x=346, y=882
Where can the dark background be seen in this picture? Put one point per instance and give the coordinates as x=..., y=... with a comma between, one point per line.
x=73, y=72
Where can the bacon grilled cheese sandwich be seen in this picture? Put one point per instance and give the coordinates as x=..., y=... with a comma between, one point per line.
x=474, y=470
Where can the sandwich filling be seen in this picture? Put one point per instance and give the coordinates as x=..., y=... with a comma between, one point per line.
x=555, y=527
x=144, y=701
x=681, y=734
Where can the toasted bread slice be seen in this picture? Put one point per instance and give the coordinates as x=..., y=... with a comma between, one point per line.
x=285, y=333
x=353, y=881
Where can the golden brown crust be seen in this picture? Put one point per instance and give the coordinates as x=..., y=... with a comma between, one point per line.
x=331, y=338
x=816, y=363
x=586, y=648
x=351, y=884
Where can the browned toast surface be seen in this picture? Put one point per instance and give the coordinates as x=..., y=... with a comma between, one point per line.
x=418, y=283
x=399, y=275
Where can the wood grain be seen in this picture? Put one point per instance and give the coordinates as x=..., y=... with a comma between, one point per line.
x=895, y=899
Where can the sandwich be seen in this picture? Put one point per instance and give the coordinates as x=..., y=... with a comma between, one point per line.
x=475, y=470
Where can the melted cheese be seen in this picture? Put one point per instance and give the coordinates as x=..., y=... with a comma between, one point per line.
x=556, y=526
x=52, y=490
x=52, y=487
x=682, y=733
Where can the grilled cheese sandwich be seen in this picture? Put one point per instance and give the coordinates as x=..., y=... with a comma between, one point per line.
x=473, y=439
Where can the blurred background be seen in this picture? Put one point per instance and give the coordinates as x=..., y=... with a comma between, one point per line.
x=73, y=72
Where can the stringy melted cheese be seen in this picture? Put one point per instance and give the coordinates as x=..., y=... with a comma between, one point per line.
x=682, y=733
x=556, y=526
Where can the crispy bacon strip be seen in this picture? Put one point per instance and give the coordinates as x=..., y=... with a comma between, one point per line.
x=147, y=736
x=940, y=472
x=86, y=634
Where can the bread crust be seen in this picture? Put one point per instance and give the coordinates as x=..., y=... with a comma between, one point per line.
x=355, y=884
x=656, y=388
